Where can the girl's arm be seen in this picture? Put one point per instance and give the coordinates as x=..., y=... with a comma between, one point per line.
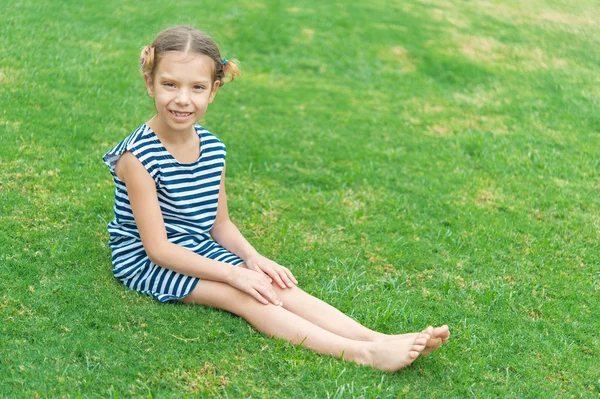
x=148, y=218
x=227, y=234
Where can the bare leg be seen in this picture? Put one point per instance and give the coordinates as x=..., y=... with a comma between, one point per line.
x=276, y=321
x=326, y=316
x=323, y=314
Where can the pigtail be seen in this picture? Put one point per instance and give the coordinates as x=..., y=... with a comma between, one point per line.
x=147, y=60
x=230, y=69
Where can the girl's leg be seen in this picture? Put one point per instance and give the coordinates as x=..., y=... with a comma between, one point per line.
x=326, y=316
x=278, y=322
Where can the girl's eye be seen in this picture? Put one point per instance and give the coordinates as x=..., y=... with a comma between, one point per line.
x=168, y=84
x=199, y=87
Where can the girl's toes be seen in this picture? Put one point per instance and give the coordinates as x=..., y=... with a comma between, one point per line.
x=422, y=340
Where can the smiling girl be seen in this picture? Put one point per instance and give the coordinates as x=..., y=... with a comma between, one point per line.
x=172, y=237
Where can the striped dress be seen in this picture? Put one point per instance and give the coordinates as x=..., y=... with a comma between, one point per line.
x=187, y=194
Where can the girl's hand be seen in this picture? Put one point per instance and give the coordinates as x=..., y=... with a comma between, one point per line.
x=255, y=284
x=282, y=276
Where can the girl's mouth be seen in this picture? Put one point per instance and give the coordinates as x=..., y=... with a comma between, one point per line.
x=180, y=115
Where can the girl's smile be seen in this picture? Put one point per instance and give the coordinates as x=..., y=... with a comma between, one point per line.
x=181, y=116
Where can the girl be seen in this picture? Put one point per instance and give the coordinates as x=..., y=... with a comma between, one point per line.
x=172, y=237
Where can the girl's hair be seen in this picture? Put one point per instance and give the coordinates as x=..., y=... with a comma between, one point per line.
x=188, y=40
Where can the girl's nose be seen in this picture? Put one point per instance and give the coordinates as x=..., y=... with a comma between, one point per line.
x=183, y=97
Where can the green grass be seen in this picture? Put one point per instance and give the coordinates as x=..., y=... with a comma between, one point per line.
x=413, y=162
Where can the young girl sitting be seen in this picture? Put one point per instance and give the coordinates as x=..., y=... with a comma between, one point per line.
x=172, y=237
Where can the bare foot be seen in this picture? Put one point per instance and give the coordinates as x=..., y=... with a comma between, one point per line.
x=393, y=355
x=438, y=335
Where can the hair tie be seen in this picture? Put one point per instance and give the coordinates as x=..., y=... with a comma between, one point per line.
x=224, y=61
x=145, y=52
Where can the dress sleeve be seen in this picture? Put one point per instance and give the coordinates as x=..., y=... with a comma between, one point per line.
x=141, y=147
x=112, y=156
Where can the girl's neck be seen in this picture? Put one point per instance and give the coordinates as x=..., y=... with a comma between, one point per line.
x=167, y=135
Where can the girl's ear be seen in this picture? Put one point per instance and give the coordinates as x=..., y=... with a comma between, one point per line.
x=213, y=93
x=149, y=85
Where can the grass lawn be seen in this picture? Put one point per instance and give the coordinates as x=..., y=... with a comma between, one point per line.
x=413, y=162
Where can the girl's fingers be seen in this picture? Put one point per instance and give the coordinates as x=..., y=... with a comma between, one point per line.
x=271, y=296
x=273, y=273
x=266, y=295
x=267, y=277
x=293, y=278
x=257, y=268
x=256, y=295
x=290, y=275
x=282, y=276
x=285, y=278
x=267, y=292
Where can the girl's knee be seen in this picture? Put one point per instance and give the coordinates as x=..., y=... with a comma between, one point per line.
x=282, y=293
x=216, y=295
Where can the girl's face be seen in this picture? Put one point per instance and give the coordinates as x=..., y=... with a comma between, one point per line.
x=182, y=88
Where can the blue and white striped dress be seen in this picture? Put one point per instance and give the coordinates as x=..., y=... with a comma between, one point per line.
x=188, y=196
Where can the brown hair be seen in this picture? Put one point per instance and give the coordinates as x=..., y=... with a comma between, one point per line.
x=188, y=40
